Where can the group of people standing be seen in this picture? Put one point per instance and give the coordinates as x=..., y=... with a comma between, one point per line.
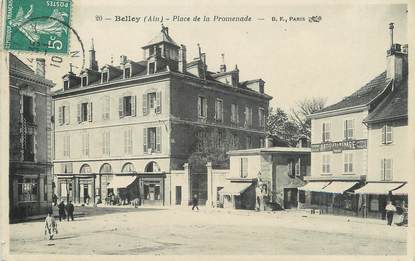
x=401, y=210
x=66, y=210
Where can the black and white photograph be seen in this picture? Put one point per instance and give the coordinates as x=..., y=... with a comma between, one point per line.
x=135, y=129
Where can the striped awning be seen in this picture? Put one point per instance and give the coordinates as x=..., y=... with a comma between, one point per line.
x=339, y=187
x=121, y=181
x=401, y=191
x=378, y=188
x=316, y=186
x=235, y=188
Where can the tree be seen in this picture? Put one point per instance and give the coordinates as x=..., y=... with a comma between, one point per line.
x=303, y=109
x=280, y=125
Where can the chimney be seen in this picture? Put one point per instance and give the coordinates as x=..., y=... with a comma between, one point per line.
x=223, y=65
x=235, y=76
x=123, y=59
x=93, y=64
x=396, y=60
x=40, y=67
x=182, y=59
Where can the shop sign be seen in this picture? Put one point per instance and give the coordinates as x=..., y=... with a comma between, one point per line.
x=339, y=146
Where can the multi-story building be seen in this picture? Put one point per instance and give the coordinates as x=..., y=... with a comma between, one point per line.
x=30, y=174
x=129, y=125
x=278, y=172
x=353, y=145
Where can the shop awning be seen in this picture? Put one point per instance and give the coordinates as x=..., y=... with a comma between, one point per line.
x=235, y=188
x=121, y=181
x=339, y=186
x=401, y=191
x=378, y=188
x=316, y=186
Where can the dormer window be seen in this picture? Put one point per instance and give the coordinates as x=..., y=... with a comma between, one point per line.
x=127, y=72
x=84, y=81
x=66, y=84
x=151, y=68
x=105, y=77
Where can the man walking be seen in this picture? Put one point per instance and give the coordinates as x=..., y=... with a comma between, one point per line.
x=70, y=208
x=390, y=210
x=195, y=203
x=61, y=208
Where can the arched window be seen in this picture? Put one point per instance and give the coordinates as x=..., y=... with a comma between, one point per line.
x=128, y=168
x=105, y=168
x=85, y=169
x=152, y=166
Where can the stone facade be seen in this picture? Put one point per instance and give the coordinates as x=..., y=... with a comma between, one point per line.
x=149, y=115
x=30, y=174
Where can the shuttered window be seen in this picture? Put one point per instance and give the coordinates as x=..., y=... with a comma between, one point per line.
x=106, y=108
x=387, y=134
x=244, y=167
x=326, y=126
x=84, y=112
x=66, y=146
x=261, y=117
x=386, y=169
x=202, y=107
x=325, y=163
x=127, y=106
x=85, y=144
x=106, y=143
x=128, y=141
x=348, y=162
x=219, y=110
x=234, y=113
x=348, y=129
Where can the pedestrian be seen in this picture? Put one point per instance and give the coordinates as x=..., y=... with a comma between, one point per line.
x=61, y=208
x=195, y=203
x=258, y=193
x=51, y=227
x=390, y=210
x=55, y=199
x=70, y=208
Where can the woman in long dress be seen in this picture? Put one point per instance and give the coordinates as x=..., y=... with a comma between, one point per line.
x=51, y=227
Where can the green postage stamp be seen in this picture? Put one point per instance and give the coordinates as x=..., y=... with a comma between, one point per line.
x=38, y=25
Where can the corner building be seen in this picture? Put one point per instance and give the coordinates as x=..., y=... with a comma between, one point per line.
x=359, y=151
x=130, y=128
x=30, y=166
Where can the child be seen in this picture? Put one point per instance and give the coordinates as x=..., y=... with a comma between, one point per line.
x=50, y=225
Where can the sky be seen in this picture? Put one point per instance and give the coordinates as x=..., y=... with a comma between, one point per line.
x=297, y=60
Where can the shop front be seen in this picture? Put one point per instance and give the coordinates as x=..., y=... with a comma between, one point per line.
x=374, y=197
x=332, y=197
x=238, y=195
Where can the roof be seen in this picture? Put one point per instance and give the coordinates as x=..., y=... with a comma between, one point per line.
x=362, y=96
x=162, y=37
x=270, y=150
x=17, y=64
x=394, y=106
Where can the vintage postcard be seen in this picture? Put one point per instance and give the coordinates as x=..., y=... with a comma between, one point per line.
x=148, y=129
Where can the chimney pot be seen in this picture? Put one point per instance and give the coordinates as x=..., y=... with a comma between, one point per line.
x=40, y=67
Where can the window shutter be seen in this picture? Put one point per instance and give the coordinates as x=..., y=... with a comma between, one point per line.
x=158, y=139
x=390, y=169
x=103, y=142
x=388, y=133
x=205, y=107
x=216, y=110
x=158, y=102
x=384, y=134
x=382, y=169
x=237, y=113
x=145, y=109
x=87, y=144
x=133, y=105
x=345, y=129
x=90, y=111
x=60, y=119
x=323, y=129
x=145, y=140
x=125, y=141
x=199, y=106
x=79, y=113
x=67, y=114
x=121, y=107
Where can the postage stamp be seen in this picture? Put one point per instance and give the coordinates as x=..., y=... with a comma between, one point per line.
x=38, y=25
